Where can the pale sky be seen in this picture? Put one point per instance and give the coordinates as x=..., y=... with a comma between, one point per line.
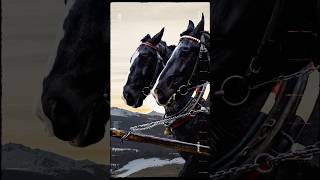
x=130, y=22
x=29, y=35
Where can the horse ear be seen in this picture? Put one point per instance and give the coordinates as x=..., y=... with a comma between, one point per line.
x=157, y=38
x=146, y=38
x=189, y=28
x=200, y=28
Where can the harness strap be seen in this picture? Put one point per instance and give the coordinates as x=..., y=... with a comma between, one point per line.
x=181, y=121
x=201, y=70
x=256, y=62
x=188, y=108
x=146, y=90
x=150, y=45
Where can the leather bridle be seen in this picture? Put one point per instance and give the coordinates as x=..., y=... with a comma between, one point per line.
x=192, y=85
x=160, y=65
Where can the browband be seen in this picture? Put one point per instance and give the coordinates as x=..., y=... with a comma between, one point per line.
x=150, y=45
x=190, y=37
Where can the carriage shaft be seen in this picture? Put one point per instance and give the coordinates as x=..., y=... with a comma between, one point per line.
x=180, y=146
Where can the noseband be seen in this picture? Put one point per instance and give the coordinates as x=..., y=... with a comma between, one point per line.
x=147, y=89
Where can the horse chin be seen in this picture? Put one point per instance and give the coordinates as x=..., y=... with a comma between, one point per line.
x=165, y=101
x=92, y=131
x=138, y=103
x=42, y=116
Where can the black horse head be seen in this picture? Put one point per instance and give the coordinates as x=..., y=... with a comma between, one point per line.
x=181, y=64
x=146, y=64
x=72, y=99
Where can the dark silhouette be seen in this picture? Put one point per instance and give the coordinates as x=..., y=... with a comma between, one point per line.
x=238, y=28
x=73, y=96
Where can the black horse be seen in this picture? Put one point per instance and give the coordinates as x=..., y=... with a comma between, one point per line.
x=238, y=110
x=72, y=100
x=146, y=64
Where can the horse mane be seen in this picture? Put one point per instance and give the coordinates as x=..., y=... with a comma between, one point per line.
x=172, y=47
x=206, y=32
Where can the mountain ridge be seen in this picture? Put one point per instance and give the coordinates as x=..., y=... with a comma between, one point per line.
x=115, y=111
x=20, y=159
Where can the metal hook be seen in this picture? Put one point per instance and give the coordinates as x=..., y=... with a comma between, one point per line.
x=125, y=136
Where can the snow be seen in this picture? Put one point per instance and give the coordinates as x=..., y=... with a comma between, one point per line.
x=124, y=149
x=140, y=164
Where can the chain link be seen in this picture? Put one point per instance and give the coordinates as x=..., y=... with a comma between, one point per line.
x=166, y=121
x=307, y=153
x=286, y=77
x=171, y=119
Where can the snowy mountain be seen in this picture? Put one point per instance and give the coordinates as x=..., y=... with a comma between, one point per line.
x=154, y=113
x=122, y=112
x=125, y=113
x=19, y=158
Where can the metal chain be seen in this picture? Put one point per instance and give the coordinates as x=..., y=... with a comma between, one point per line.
x=269, y=161
x=165, y=121
x=169, y=120
x=307, y=153
x=286, y=77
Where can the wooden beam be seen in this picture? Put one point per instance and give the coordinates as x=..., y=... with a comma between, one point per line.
x=164, y=142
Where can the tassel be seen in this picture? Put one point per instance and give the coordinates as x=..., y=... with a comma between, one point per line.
x=167, y=131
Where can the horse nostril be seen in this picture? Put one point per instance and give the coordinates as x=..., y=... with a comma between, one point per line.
x=157, y=92
x=128, y=96
x=125, y=94
x=52, y=104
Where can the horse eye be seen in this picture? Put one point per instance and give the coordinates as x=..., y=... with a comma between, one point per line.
x=144, y=61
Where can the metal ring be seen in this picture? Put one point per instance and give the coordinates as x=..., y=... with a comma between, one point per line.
x=225, y=99
x=180, y=90
x=146, y=91
x=264, y=157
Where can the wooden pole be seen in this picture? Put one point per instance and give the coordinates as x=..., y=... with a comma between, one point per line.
x=168, y=143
